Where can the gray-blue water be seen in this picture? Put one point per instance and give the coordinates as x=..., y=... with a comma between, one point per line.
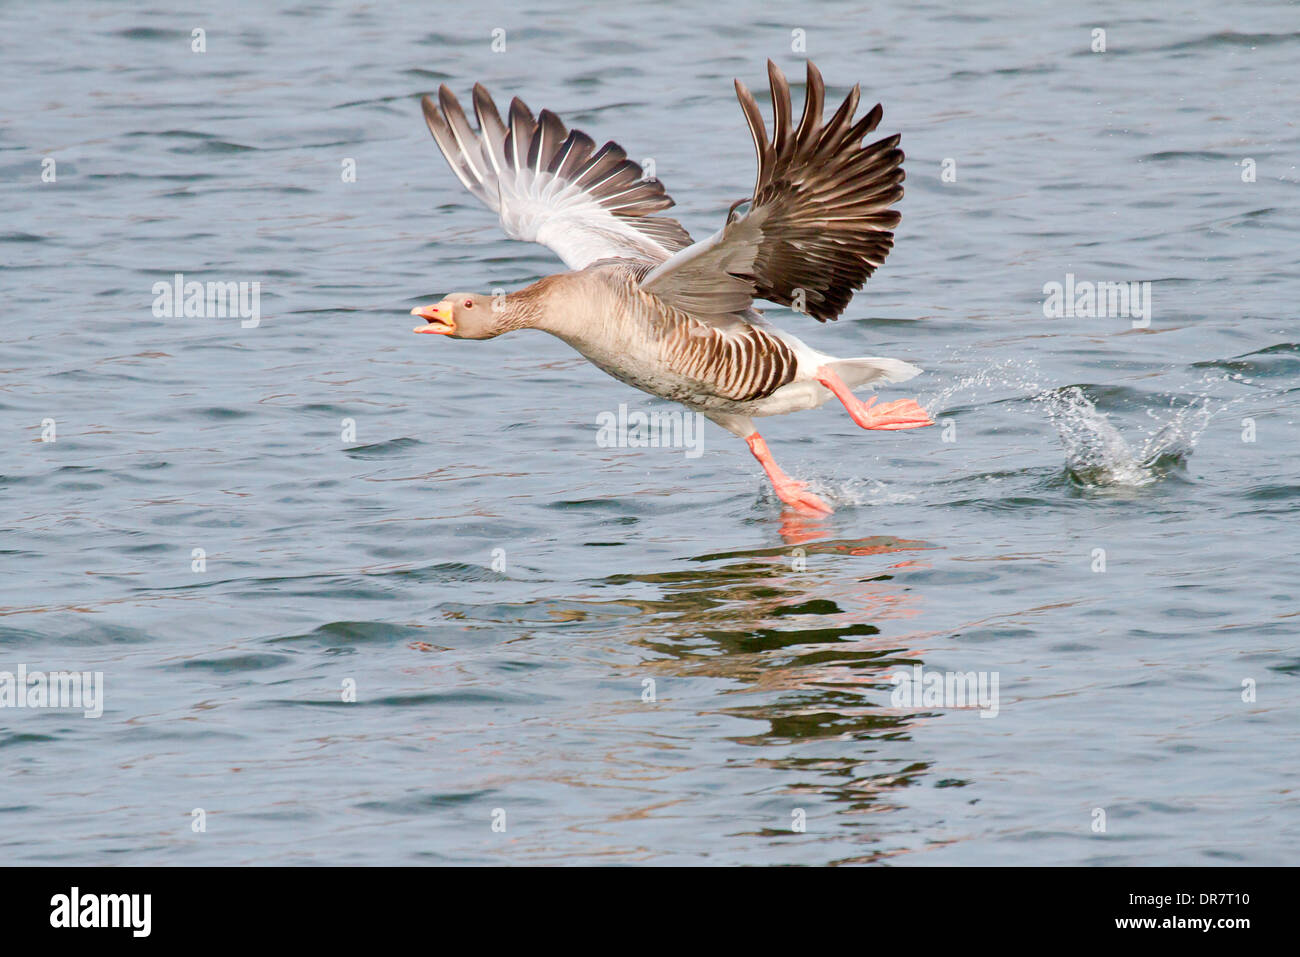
x=1104, y=518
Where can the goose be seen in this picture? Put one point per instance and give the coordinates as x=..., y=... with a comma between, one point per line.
x=673, y=317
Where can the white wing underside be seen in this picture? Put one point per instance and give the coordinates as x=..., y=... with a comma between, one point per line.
x=552, y=186
x=541, y=208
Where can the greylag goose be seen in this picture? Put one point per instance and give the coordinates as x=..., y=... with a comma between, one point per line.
x=675, y=317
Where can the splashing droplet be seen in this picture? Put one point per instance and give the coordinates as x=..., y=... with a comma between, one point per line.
x=1098, y=456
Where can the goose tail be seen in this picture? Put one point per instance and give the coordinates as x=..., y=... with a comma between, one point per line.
x=873, y=370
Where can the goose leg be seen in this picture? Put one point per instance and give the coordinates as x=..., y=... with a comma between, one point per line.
x=903, y=414
x=795, y=494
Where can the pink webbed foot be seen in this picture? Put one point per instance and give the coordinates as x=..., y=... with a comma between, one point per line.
x=796, y=495
x=793, y=493
x=890, y=417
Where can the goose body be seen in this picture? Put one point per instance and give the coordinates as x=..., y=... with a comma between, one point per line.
x=673, y=317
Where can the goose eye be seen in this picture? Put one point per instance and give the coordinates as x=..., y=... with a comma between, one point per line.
x=469, y=303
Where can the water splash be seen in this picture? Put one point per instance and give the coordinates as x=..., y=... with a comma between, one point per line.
x=1015, y=376
x=1098, y=456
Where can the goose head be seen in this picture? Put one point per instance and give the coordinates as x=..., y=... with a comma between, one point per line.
x=463, y=315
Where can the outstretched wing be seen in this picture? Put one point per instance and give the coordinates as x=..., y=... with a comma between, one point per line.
x=819, y=222
x=552, y=186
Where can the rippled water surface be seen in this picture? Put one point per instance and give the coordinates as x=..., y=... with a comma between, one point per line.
x=634, y=653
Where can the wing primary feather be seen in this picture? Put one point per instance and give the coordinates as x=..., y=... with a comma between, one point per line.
x=757, y=130
x=520, y=139
x=546, y=143
x=835, y=129
x=446, y=140
x=814, y=102
x=573, y=154
x=491, y=127
x=781, y=111
x=596, y=169
x=466, y=142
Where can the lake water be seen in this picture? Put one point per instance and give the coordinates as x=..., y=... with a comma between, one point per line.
x=632, y=655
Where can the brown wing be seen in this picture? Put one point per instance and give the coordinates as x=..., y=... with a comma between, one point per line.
x=819, y=221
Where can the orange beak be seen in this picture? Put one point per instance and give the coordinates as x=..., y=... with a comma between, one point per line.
x=438, y=317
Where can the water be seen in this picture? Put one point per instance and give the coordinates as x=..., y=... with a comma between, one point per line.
x=500, y=589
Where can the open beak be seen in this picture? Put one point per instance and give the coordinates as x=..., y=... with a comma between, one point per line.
x=440, y=322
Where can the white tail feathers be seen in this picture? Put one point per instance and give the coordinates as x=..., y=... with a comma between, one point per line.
x=873, y=369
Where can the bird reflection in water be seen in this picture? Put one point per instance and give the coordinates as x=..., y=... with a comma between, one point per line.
x=805, y=642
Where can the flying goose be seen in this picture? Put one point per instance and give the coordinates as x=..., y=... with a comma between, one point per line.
x=675, y=317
